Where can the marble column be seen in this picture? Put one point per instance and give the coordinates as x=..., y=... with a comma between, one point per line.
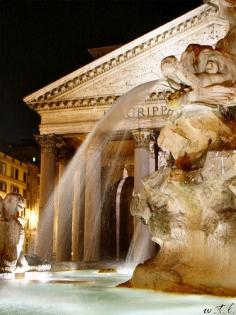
x=46, y=203
x=65, y=200
x=141, y=156
x=64, y=219
x=78, y=214
x=143, y=246
x=92, y=218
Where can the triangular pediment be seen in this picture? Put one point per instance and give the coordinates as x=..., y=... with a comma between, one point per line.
x=134, y=63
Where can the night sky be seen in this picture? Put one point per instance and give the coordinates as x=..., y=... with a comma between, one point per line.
x=43, y=40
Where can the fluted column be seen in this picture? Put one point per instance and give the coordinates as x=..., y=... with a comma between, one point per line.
x=46, y=204
x=65, y=201
x=141, y=156
x=78, y=214
x=143, y=246
x=92, y=219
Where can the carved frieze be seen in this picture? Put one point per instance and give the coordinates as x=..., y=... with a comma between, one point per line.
x=90, y=102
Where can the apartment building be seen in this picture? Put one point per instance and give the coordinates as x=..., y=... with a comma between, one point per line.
x=22, y=178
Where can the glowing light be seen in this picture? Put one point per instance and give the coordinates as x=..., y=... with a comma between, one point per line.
x=33, y=219
x=39, y=276
x=125, y=270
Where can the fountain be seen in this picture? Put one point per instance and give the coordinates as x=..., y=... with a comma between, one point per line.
x=190, y=206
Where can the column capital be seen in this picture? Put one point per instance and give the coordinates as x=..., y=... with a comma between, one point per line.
x=95, y=144
x=47, y=143
x=64, y=149
x=141, y=138
x=56, y=144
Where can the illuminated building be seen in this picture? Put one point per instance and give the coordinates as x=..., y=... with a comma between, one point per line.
x=22, y=178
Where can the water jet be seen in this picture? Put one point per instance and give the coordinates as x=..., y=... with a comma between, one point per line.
x=185, y=201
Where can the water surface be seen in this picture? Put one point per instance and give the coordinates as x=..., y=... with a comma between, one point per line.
x=88, y=293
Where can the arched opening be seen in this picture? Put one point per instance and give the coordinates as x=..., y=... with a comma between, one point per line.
x=117, y=221
x=124, y=219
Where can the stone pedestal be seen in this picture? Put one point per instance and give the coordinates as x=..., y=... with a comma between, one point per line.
x=92, y=219
x=46, y=205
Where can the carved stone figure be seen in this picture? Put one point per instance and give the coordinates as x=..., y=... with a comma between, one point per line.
x=203, y=86
x=205, y=74
x=12, y=233
x=190, y=208
x=192, y=216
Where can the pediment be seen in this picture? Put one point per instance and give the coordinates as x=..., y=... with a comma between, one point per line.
x=134, y=63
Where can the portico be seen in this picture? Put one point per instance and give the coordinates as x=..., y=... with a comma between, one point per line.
x=70, y=108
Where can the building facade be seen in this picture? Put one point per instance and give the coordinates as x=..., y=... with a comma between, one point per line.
x=22, y=178
x=71, y=107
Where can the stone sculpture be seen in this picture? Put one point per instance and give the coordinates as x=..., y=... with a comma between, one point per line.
x=190, y=208
x=204, y=90
x=12, y=233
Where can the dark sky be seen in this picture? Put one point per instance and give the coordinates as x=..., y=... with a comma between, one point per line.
x=44, y=40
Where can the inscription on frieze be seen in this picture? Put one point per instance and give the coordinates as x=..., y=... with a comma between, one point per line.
x=148, y=111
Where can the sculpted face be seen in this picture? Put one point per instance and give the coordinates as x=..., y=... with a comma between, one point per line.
x=12, y=204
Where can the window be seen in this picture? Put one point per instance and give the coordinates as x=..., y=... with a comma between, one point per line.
x=14, y=172
x=25, y=194
x=25, y=177
x=2, y=168
x=3, y=186
x=14, y=189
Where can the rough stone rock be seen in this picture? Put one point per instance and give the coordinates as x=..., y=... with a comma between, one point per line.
x=193, y=134
x=203, y=77
x=192, y=216
x=184, y=276
x=191, y=209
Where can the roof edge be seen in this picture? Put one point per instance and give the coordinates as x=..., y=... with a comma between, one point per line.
x=120, y=55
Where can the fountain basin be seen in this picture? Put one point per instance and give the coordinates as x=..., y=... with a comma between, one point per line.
x=87, y=292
